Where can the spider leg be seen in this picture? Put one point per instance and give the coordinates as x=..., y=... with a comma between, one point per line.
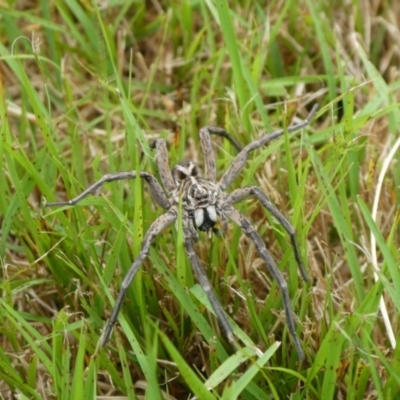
x=237, y=165
x=163, y=166
x=241, y=193
x=244, y=224
x=223, y=133
x=193, y=232
x=155, y=229
x=208, y=152
x=155, y=188
x=202, y=279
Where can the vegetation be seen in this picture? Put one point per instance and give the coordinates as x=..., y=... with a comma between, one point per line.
x=85, y=89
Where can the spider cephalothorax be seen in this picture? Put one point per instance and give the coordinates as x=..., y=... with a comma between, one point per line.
x=203, y=201
x=198, y=195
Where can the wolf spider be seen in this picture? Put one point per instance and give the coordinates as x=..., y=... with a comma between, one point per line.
x=204, y=202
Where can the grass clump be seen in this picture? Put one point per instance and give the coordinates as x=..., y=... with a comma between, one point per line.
x=85, y=90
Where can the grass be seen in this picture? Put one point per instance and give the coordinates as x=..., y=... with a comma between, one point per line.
x=85, y=91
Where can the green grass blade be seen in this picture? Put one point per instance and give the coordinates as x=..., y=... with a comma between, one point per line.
x=195, y=384
x=241, y=384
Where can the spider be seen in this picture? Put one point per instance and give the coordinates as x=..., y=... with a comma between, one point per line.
x=205, y=206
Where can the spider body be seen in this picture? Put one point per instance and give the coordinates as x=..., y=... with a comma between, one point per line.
x=198, y=195
x=203, y=203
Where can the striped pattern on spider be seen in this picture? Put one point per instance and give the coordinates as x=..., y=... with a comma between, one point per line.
x=205, y=206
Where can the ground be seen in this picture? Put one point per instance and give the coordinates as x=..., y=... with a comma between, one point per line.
x=87, y=87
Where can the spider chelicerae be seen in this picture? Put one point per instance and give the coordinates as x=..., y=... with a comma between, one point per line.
x=205, y=206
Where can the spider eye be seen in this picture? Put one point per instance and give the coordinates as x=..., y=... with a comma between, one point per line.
x=181, y=175
x=185, y=170
x=195, y=171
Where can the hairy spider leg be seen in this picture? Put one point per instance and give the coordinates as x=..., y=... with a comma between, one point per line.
x=240, y=220
x=210, y=172
x=164, y=170
x=213, y=130
x=240, y=194
x=155, y=188
x=162, y=222
x=205, y=284
x=239, y=162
